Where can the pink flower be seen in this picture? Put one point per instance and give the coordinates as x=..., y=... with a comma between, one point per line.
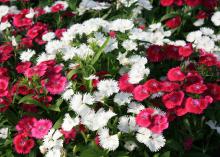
x=56, y=84
x=38, y=70
x=4, y=86
x=153, y=120
x=186, y=50
x=140, y=93
x=21, y=67
x=69, y=135
x=41, y=128
x=175, y=74
x=196, y=88
x=166, y=2
x=168, y=86
x=124, y=85
x=22, y=144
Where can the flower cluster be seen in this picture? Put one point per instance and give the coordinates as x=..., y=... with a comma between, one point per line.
x=109, y=78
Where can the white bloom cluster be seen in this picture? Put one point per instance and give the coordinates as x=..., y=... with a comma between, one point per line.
x=216, y=18
x=69, y=122
x=108, y=87
x=141, y=3
x=48, y=36
x=127, y=124
x=153, y=141
x=52, y=144
x=123, y=98
x=26, y=55
x=91, y=5
x=3, y=133
x=213, y=125
x=204, y=38
x=109, y=142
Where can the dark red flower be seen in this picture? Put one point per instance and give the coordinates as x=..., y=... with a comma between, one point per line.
x=179, y=2
x=23, y=144
x=25, y=125
x=155, y=53
x=153, y=86
x=186, y=50
x=210, y=4
x=174, y=22
x=21, y=67
x=140, y=93
x=192, y=78
x=166, y=2
x=208, y=59
x=5, y=52
x=197, y=106
x=172, y=52
x=193, y=3
x=214, y=91
x=124, y=85
x=196, y=88
x=175, y=74
x=173, y=99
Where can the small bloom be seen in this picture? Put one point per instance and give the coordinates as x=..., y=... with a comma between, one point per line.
x=41, y=128
x=175, y=74
x=22, y=144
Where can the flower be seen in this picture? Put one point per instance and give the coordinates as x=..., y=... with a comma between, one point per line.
x=109, y=142
x=3, y=133
x=130, y=145
x=173, y=99
x=216, y=18
x=175, y=74
x=186, y=50
x=174, y=22
x=41, y=128
x=140, y=93
x=196, y=88
x=193, y=3
x=124, y=84
x=108, y=87
x=127, y=124
x=122, y=98
x=22, y=144
x=56, y=84
x=155, y=53
x=69, y=123
x=153, y=86
x=166, y=2
x=27, y=55
x=153, y=141
x=151, y=119
x=25, y=125
x=197, y=106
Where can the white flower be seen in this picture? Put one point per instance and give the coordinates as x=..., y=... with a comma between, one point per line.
x=4, y=25
x=192, y=36
x=216, y=18
x=127, y=124
x=88, y=99
x=213, y=125
x=52, y=144
x=146, y=4
x=98, y=120
x=122, y=98
x=13, y=41
x=3, y=133
x=130, y=145
x=199, y=22
x=123, y=60
x=207, y=31
x=121, y=25
x=48, y=36
x=54, y=46
x=67, y=94
x=31, y=14
x=3, y=11
x=137, y=73
x=153, y=141
x=129, y=45
x=84, y=51
x=26, y=55
x=69, y=123
x=135, y=107
x=91, y=5
x=109, y=142
x=45, y=57
x=108, y=87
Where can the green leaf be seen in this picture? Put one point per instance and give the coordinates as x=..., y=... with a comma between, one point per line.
x=119, y=154
x=166, y=154
x=58, y=123
x=196, y=154
x=92, y=152
x=29, y=100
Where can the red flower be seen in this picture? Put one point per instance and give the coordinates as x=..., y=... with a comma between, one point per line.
x=208, y=59
x=173, y=99
x=22, y=144
x=4, y=86
x=21, y=67
x=186, y=50
x=25, y=125
x=56, y=8
x=4, y=103
x=214, y=91
x=210, y=4
x=166, y=2
x=193, y=3
x=153, y=86
x=38, y=70
x=20, y=20
x=172, y=52
x=196, y=88
x=124, y=85
x=5, y=52
x=201, y=15
x=168, y=86
x=174, y=22
x=69, y=135
x=59, y=32
x=179, y=2
x=175, y=74
x=112, y=34
x=152, y=120
x=197, y=106
x=26, y=42
x=140, y=93
x=192, y=78
x=155, y=53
